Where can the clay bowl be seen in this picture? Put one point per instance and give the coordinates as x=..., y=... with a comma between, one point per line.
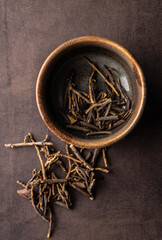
x=50, y=87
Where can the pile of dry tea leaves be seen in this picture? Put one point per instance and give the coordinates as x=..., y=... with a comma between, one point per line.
x=46, y=188
x=96, y=112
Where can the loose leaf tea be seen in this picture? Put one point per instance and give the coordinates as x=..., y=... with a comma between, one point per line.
x=47, y=188
x=96, y=112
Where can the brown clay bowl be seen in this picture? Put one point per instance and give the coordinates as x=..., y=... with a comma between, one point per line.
x=50, y=87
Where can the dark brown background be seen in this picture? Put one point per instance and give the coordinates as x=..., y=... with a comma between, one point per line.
x=127, y=205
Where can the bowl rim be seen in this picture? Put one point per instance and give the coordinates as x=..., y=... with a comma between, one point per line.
x=62, y=135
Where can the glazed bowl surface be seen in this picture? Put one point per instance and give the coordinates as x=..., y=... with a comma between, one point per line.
x=51, y=86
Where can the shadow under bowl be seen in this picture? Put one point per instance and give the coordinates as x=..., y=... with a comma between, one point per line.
x=51, y=86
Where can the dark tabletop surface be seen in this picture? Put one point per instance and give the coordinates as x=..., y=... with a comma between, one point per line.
x=127, y=203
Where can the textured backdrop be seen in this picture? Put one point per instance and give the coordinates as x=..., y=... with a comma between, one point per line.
x=127, y=204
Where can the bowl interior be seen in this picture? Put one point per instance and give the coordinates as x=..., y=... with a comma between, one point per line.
x=58, y=69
